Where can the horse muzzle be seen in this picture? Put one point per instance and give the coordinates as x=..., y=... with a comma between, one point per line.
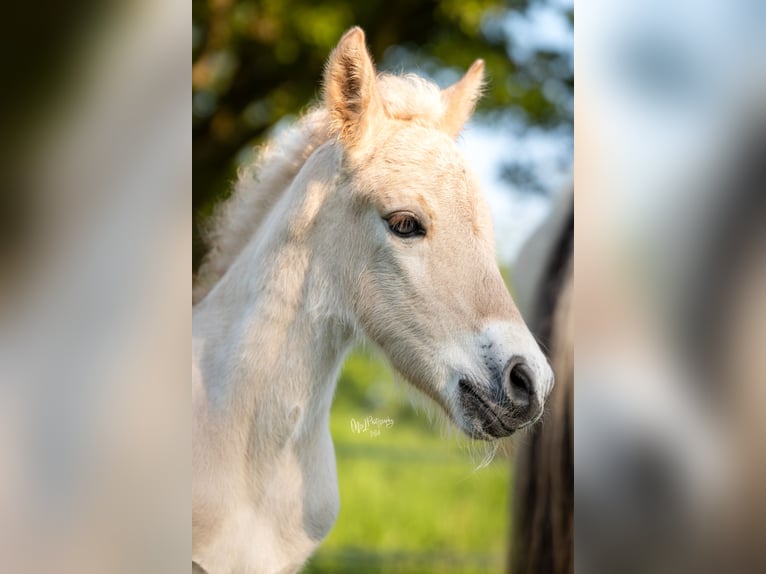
x=506, y=406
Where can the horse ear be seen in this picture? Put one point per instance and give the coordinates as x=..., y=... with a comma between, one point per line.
x=461, y=97
x=350, y=88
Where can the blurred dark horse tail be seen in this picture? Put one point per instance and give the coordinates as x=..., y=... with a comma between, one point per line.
x=542, y=540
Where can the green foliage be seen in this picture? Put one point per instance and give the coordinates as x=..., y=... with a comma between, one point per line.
x=257, y=61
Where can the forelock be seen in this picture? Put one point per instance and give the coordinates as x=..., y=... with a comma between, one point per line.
x=412, y=98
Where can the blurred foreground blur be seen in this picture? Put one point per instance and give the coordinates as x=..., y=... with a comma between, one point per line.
x=94, y=303
x=670, y=287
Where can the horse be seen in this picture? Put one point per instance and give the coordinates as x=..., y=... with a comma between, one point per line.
x=361, y=220
x=542, y=540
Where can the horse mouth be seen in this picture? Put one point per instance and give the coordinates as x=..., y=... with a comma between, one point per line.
x=485, y=418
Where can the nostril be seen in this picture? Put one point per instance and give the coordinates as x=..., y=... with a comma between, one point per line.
x=520, y=382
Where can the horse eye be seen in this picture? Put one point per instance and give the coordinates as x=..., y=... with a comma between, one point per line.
x=405, y=225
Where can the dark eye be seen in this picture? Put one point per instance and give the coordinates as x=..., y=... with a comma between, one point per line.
x=404, y=224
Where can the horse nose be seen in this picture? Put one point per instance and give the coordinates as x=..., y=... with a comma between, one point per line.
x=524, y=389
x=520, y=385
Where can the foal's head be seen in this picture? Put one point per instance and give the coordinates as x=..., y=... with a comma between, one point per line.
x=414, y=238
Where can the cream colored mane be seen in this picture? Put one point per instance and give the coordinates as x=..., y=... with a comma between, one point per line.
x=260, y=184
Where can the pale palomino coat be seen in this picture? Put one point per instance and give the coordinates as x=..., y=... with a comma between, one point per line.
x=361, y=220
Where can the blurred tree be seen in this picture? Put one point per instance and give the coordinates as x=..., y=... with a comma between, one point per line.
x=257, y=61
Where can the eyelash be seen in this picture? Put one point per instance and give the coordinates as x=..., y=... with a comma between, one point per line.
x=397, y=220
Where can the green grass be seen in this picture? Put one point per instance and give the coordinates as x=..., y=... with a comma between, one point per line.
x=412, y=498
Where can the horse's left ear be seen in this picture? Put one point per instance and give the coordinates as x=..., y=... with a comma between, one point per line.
x=461, y=97
x=350, y=88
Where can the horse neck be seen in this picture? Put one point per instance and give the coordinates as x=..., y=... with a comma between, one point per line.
x=273, y=335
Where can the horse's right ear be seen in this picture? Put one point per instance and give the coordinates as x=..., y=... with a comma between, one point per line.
x=350, y=88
